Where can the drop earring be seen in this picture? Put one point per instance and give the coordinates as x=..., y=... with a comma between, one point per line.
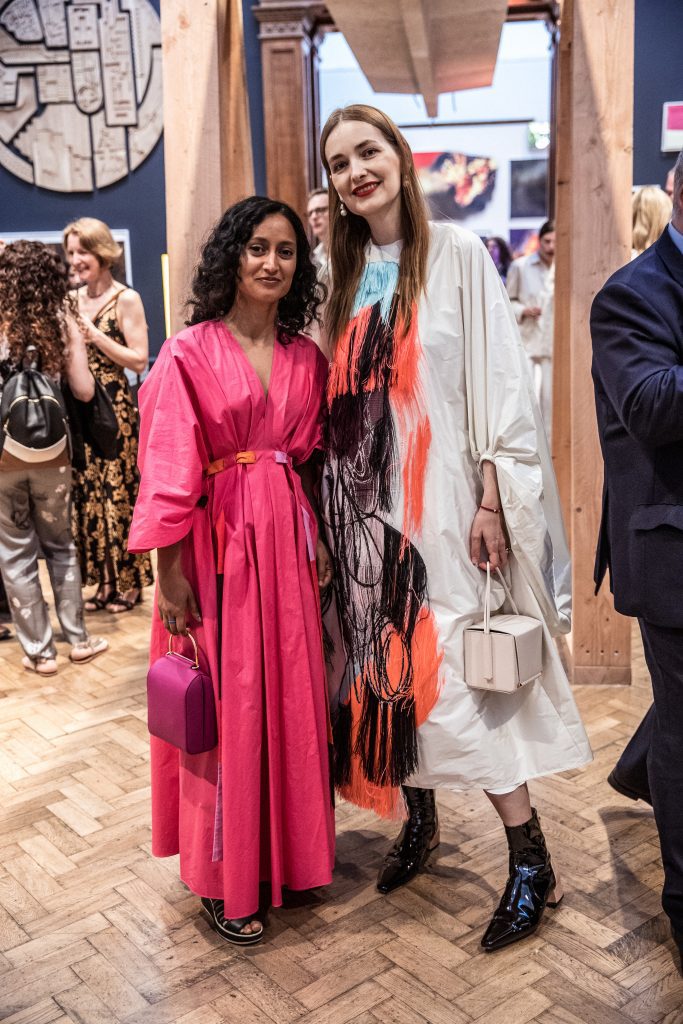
x=342, y=208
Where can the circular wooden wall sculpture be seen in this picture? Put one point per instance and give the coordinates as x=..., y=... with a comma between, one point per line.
x=80, y=90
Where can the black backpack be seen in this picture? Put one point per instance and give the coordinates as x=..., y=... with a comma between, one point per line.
x=33, y=414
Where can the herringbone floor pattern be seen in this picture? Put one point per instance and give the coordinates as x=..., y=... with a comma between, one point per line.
x=94, y=931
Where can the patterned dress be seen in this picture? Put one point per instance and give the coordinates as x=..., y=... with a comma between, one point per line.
x=414, y=409
x=105, y=493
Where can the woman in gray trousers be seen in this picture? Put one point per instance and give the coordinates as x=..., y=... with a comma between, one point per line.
x=37, y=320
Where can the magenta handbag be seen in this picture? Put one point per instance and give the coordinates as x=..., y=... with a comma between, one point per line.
x=180, y=704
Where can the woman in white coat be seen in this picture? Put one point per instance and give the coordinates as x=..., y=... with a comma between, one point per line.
x=437, y=463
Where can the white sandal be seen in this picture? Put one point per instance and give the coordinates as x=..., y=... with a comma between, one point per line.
x=88, y=649
x=43, y=666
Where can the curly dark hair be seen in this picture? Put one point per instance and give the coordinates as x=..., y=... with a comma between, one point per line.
x=216, y=276
x=34, y=303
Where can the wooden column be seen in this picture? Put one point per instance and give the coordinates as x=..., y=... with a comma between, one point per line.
x=594, y=174
x=289, y=39
x=207, y=133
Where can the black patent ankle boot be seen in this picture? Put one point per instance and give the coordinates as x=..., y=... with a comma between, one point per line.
x=418, y=837
x=529, y=890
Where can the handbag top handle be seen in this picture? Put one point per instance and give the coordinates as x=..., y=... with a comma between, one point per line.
x=487, y=597
x=194, y=644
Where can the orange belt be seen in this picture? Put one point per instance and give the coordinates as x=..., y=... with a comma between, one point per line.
x=247, y=459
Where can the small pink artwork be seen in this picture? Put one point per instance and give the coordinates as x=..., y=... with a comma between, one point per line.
x=672, y=127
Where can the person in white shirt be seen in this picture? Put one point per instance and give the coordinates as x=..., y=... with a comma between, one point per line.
x=318, y=214
x=531, y=287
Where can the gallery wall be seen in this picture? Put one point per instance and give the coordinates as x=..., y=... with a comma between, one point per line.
x=658, y=79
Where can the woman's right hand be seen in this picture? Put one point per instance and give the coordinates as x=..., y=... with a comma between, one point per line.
x=176, y=602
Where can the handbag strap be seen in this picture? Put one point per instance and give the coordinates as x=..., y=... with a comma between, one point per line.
x=194, y=645
x=487, y=597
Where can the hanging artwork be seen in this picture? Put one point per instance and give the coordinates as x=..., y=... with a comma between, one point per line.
x=523, y=241
x=672, y=127
x=528, y=188
x=80, y=90
x=456, y=185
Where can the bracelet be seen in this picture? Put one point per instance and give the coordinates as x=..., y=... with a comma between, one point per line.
x=487, y=509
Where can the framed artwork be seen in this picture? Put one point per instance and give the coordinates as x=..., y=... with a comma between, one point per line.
x=456, y=185
x=672, y=127
x=80, y=91
x=122, y=269
x=523, y=241
x=528, y=188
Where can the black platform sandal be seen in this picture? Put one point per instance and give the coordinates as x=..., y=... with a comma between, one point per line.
x=230, y=929
x=101, y=598
x=530, y=887
x=117, y=604
x=417, y=839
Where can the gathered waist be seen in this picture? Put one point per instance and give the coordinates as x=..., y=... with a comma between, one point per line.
x=248, y=458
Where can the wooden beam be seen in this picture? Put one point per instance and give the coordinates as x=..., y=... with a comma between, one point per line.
x=594, y=173
x=415, y=17
x=207, y=133
x=433, y=45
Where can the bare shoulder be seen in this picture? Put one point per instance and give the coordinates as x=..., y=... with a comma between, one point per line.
x=129, y=300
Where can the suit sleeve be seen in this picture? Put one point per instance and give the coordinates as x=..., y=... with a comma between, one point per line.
x=636, y=360
x=172, y=455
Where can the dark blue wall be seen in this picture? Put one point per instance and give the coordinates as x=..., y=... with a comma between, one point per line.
x=136, y=203
x=658, y=78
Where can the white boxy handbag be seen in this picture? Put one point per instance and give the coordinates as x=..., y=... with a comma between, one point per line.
x=504, y=652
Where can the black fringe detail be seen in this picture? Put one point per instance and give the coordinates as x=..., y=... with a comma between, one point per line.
x=404, y=583
x=325, y=604
x=341, y=734
x=358, y=411
x=380, y=582
x=387, y=739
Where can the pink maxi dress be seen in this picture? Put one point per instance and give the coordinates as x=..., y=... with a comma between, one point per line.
x=258, y=807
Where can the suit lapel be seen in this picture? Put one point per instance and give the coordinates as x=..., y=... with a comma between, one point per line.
x=670, y=256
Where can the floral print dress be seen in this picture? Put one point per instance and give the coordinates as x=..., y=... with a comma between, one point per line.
x=105, y=492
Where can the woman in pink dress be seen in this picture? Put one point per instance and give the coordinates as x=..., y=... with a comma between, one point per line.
x=231, y=420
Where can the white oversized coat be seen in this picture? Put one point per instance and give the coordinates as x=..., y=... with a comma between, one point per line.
x=478, y=397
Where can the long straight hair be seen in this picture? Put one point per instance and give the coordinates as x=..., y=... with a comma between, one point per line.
x=349, y=235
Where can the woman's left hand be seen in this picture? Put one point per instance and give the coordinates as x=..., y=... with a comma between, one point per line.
x=323, y=564
x=488, y=533
x=85, y=324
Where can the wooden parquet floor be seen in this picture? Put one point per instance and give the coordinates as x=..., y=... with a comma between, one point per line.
x=94, y=931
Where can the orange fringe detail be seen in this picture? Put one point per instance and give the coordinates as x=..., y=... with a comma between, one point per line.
x=414, y=473
x=344, y=366
x=387, y=801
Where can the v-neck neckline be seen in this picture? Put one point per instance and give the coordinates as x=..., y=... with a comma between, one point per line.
x=264, y=391
x=112, y=298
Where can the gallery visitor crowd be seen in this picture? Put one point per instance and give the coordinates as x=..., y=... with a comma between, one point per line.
x=332, y=521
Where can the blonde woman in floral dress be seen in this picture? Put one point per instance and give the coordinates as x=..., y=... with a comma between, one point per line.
x=116, y=334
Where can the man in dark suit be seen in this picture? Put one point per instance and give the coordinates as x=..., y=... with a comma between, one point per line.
x=637, y=329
